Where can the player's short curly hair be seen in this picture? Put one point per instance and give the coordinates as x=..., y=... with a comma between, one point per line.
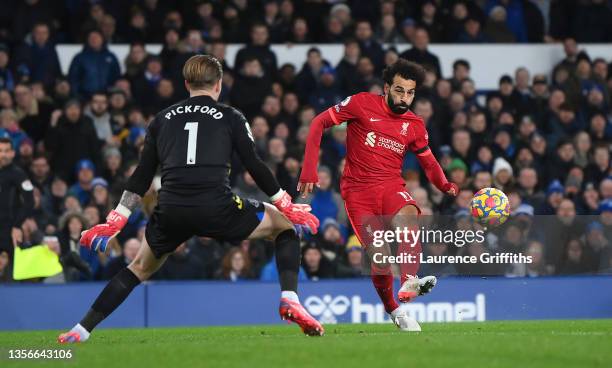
x=202, y=71
x=405, y=69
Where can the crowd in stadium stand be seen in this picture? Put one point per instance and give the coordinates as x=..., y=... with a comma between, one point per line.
x=543, y=139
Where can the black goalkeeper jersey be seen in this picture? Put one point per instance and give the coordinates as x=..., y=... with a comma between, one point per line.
x=192, y=142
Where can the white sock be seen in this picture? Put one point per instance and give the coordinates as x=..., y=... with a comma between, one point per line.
x=83, y=333
x=395, y=312
x=291, y=295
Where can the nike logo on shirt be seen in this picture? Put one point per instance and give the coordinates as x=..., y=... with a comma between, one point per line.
x=372, y=119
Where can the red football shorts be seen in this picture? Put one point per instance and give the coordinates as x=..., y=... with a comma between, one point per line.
x=369, y=209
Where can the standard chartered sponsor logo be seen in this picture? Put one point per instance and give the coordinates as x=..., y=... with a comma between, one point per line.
x=370, y=139
x=390, y=144
x=387, y=143
x=328, y=308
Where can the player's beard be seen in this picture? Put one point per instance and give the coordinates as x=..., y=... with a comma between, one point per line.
x=399, y=108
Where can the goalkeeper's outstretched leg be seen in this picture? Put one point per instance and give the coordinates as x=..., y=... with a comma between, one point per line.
x=273, y=226
x=116, y=291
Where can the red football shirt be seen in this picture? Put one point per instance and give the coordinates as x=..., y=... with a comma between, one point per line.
x=377, y=140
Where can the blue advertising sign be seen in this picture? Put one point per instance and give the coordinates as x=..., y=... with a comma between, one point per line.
x=41, y=307
x=199, y=303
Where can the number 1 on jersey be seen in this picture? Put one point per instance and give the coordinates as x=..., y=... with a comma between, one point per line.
x=192, y=142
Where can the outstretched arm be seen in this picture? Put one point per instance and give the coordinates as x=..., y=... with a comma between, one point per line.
x=298, y=214
x=309, y=176
x=434, y=172
x=428, y=162
x=347, y=110
x=245, y=147
x=97, y=237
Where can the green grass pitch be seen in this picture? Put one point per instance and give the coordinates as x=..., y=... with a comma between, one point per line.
x=580, y=343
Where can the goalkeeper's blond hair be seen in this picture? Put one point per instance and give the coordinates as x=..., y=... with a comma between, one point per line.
x=202, y=71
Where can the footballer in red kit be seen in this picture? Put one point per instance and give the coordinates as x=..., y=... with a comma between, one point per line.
x=381, y=130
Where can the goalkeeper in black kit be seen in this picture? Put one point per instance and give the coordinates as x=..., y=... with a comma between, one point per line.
x=192, y=142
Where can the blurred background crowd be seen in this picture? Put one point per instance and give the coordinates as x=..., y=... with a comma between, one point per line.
x=543, y=139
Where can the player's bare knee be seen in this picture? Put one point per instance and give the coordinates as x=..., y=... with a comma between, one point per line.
x=280, y=228
x=408, y=211
x=406, y=216
x=278, y=222
x=382, y=265
x=378, y=258
x=284, y=225
x=143, y=273
x=381, y=268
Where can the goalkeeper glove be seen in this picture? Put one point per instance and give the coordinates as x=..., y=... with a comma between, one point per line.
x=97, y=237
x=298, y=214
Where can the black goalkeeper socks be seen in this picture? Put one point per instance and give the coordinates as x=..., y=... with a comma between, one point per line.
x=288, y=259
x=110, y=298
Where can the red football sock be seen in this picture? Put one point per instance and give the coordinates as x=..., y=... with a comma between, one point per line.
x=409, y=268
x=383, y=283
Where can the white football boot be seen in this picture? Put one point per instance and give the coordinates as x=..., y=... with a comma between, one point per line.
x=414, y=286
x=404, y=322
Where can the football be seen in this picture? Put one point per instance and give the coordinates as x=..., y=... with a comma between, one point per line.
x=490, y=207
